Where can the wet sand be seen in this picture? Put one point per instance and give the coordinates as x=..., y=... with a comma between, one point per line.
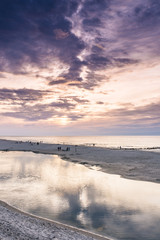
x=15, y=224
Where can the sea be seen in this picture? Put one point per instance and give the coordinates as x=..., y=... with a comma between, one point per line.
x=134, y=142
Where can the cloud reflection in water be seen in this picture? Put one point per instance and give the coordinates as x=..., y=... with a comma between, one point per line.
x=71, y=193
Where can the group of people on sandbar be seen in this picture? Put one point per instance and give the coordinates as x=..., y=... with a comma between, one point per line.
x=59, y=149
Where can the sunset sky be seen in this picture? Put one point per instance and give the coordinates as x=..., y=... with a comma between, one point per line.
x=79, y=67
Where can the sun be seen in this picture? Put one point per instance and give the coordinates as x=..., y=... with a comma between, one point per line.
x=64, y=120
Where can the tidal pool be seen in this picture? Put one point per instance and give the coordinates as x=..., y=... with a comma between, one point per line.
x=70, y=193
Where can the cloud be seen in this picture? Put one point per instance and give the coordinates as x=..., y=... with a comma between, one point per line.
x=148, y=13
x=79, y=100
x=62, y=104
x=23, y=95
x=146, y=115
x=83, y=45
x=44, y=112
x=94, y=6
x=2, y=75
x=120, y=62
x=27, y=104
x=77, y=33
x=60, y=34
x=57, y=82
x=30, y=114
x=97, y=62
x=100, y=102
x=35, y=32
x=75, y=117
x=36, y=112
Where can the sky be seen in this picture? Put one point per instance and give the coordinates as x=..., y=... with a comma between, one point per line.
x=79, y=67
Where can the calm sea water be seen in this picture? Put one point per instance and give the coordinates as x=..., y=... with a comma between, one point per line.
x=101, y=141
x=71, y=193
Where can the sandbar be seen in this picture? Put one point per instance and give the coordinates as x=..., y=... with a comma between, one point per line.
x=131, y=164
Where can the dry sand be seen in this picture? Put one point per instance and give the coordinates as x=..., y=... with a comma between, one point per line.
x=131, y=164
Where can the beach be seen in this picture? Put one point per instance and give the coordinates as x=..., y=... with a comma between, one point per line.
x=15, y=224
x=129, y=163
x=132, y=164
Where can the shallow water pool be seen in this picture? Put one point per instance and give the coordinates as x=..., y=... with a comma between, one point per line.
x=70, y=193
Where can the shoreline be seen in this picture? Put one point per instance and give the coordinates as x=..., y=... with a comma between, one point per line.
x=15, y=224
x=130, y=164
x=122, y=162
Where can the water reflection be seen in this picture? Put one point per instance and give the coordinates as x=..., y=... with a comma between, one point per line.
x=71, y=193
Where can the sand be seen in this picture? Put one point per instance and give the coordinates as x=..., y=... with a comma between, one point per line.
x=132, y=164
x=15, y=224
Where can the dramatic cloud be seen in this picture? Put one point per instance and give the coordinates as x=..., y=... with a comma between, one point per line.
x=34, y=32
x=37, y=32
x=70, y=59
